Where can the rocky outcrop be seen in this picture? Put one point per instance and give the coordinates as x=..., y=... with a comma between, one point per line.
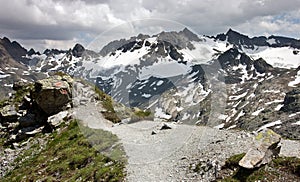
x=292, y=101
x=262, y=66
x=53, y=94
x=35, y=108
x=78, y=50
x=266, y=146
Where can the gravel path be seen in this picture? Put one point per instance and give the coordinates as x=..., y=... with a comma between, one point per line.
x=168, y=155
x=182, y=153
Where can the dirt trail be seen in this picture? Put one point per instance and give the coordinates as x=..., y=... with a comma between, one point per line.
x=167, y=155
x=173, y=154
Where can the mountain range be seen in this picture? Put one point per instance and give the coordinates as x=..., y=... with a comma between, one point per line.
x=226, y=81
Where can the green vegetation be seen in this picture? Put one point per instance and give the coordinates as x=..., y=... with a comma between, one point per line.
x=281, y=168
x=291, y=164
x=20, y=93
x=233, y=161
x=138, y=114
x=107, y=102
x=3, y=103
x=142, y=114
x=70, y=156
x=60, y=73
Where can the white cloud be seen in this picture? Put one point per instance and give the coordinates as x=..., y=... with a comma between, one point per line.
x=63, y=22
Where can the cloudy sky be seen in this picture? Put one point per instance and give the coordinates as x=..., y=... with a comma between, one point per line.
x=61, y=23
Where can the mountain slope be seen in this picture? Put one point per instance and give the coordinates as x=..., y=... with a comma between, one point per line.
x=226, y=81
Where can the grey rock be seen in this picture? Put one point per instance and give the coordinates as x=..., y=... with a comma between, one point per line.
x=53, y=94
x=27, y=120
x=266, y=146
x=292, y=101
x=57, y=119
x=165, y=127
x=262, y=66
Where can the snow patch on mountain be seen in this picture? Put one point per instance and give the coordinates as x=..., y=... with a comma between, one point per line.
x=296, y=123
x=281, y=57
x=278, y=122
x=204, y=51
x=4, y=76
x=164, y=69
x=296, y=81
x=256, y=113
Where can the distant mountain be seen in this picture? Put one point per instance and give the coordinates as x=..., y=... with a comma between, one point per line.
x=229, y=80
x=241, y=40
x=13, y=65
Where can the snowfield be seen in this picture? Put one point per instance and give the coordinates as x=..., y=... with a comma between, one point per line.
x=281, y=57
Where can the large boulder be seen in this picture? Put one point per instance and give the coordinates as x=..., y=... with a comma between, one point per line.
x=292, y=101
x=265, y=147
x=53, y=94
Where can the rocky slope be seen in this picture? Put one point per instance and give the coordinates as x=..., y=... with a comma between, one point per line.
x=155, y=151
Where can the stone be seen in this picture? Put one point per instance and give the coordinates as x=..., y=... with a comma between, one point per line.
x=266, y=146
x=165, y=127
x=292, y=101
x=27, y=120
x=153, y=132
x=57, y=119
x=53, y=94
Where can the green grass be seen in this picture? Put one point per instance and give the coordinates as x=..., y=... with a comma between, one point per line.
x=71, y=155
x=107, y=102
x=4, y=103
x=142, y=114
x=19, y=95
x=233, y=161
x=291, y=164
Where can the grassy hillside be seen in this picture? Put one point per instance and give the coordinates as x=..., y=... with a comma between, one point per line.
x=69, y=156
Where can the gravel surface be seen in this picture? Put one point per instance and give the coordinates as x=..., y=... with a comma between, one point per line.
x=182, y=153
x=169, y=155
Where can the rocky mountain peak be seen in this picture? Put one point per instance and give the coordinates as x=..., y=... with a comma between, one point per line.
x=49, y=52
x=32, y=52
x=190, y=35
x=242, y=41
x=181, y=39
x=15, y=50
x=78, y=50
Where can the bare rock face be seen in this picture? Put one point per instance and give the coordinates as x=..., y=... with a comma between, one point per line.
x=292, y=101
x=53, y=94
x=264, y=149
